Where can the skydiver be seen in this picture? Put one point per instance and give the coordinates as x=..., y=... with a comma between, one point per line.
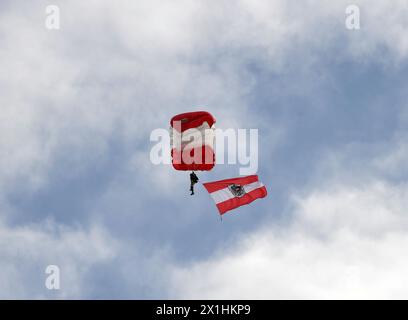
x=193, y=181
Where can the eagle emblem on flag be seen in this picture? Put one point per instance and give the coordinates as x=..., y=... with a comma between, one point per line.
x=237, y=190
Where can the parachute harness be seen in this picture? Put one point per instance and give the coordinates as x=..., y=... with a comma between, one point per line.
x=193, y=181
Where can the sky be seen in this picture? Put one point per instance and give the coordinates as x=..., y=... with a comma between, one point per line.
x=78, y=189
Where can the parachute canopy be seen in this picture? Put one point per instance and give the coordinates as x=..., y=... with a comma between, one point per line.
x=192, y=141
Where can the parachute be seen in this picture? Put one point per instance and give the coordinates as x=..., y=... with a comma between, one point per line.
x=192, y=141
x=192, y=138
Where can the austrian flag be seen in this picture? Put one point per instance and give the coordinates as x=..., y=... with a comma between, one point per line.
x=232, y=193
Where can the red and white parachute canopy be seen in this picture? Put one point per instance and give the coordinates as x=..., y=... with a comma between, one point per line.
x=192, y=141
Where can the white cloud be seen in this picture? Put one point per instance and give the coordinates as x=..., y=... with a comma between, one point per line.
x=25, y=252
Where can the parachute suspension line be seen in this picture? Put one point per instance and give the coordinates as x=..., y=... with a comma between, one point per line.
x=193, y=180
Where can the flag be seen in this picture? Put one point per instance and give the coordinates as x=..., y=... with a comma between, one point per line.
x=232, y=193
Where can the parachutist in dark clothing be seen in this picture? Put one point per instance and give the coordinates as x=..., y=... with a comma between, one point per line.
x=193, y=181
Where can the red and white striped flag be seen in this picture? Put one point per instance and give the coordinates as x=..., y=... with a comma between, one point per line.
x=232, y=193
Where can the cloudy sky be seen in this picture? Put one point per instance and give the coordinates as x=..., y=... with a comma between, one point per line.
x=78, y=190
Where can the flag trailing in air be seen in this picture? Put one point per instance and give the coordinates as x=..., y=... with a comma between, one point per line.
x=232, y=193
